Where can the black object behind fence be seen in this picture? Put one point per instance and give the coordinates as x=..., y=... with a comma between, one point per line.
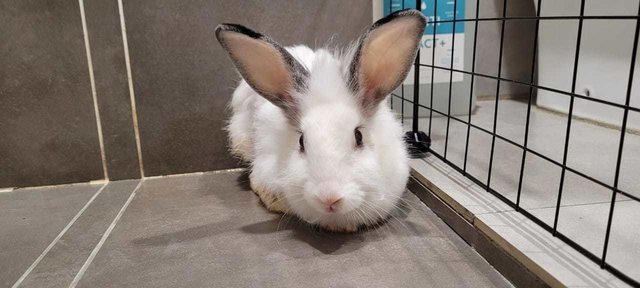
x=419, y=142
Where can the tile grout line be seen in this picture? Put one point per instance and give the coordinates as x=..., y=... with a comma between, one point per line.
x=95, y=182
x=448, y=174
x=437, y=166
x=104, y=237
x=12, y=189
x=132, y=97
x=92, y=80
x=549, y=207
x=64, y=231
x=6, y=190
x=222, y=171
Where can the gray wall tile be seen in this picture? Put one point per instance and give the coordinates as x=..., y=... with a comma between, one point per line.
x=112, y=89
x=183, y=79
x=47, y=122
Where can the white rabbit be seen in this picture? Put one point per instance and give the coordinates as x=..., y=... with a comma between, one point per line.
x=321, y=141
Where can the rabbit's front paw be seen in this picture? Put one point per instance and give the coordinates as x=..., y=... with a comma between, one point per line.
x=272, y=201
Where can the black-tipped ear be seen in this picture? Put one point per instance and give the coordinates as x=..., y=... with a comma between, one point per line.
x=266, y=66
x=384, y=55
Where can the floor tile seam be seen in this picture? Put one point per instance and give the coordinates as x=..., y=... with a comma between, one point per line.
x=104, y=237
x=53, y=186
x=212, y=172
x=60, y=235
x=544, y=207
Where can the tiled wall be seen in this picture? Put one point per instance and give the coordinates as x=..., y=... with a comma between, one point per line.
x=112, y=89
x=47, y=120
x=181, y=79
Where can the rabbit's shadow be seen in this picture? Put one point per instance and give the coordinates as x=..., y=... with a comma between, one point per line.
x=324, y=242
x=397, y=225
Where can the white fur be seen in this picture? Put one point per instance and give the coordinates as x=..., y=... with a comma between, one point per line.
x=371, y=179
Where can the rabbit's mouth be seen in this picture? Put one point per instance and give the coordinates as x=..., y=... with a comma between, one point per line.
x=351, y=221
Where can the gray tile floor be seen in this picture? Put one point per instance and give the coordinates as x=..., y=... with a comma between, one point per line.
x=585, y=204
x=30, y=219
x=208, y=230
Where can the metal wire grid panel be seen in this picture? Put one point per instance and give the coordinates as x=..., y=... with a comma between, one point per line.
x=531, y=84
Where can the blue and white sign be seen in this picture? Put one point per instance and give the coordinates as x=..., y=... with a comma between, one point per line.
x=444, y=37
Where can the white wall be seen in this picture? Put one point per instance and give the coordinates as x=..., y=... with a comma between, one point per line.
x=604, y=63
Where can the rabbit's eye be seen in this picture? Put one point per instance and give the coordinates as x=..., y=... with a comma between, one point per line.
x=358, y=136
x=301, y=141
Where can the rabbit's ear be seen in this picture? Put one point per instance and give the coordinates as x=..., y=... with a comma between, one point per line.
x=267, y=67
x=384, y=55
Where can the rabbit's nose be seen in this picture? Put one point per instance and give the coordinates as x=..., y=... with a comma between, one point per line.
x=331, y=203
